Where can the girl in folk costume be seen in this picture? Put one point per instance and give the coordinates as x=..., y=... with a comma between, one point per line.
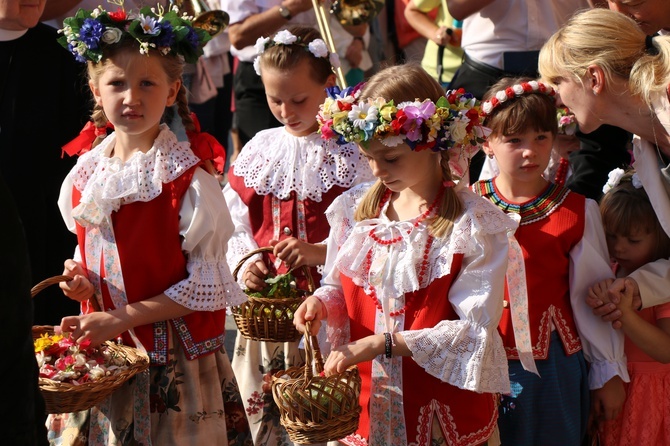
x=152, y=227
x=277, y=192
x=564, y=251
x=416, y=267
x=634, y=238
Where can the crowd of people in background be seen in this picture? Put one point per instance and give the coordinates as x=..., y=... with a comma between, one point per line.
x=528, y=284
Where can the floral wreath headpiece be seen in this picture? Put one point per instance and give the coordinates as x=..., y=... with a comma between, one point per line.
x=453, y=122
x=615, y=176
x=514, y=91
x=317, y=47
x=88, y=33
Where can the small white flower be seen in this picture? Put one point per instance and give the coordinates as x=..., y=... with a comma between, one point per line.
x=149, y=25
x=260, y=44
x=501, y=96
x=361, y=114
x=487, y=107
x=257, y=65
x=458, y=129
x=393, y=140
x=111, y=35
x=285, y=37
x=534, y=85
x=517, y=89
x=96, y=12
x=318, y=48
x=637, y=183
x=613, y=179
x=334, y=60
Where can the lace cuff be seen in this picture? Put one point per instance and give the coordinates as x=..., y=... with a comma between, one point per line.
x=239, y=245
x=462, y=354
x=337, y=324
x=602, y=371
x=209, y=287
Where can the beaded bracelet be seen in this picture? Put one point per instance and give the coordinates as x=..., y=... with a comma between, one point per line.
x=388, y=345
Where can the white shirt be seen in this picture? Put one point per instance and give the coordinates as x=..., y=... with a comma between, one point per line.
x=514, y=25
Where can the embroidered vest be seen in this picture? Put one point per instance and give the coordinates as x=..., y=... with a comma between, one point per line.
x=549, y=229
x=466, y=418
x=279, y=219
x=149, y=247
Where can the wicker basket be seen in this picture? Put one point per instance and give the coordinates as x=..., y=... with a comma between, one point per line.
x=61, y=397
x=315, y=408
x=267, y=318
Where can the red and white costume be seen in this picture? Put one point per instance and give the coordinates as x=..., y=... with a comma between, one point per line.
x=444, y=296
x=154, y=224
x=281, y=186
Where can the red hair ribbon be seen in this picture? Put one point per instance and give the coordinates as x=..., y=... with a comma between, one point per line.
x=205, y=146
x=83, y=142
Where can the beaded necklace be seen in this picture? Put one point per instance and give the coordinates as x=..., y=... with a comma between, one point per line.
x=538, y=208
x=561, y=172
x=424, y=262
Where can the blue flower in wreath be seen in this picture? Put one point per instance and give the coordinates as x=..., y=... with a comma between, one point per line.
x=166, y=36
x=192, y=38
x=90, y=33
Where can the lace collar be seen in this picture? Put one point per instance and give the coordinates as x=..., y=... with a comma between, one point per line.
x=107, y=183
x=277, y=163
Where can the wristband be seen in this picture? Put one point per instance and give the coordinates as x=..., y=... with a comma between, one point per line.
x=388, y=345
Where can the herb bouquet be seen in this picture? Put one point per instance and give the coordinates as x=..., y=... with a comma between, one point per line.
x=268, y=315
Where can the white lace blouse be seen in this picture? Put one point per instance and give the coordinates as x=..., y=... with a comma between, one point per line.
x=467, y=352
x=277, y=163
x=205, y=225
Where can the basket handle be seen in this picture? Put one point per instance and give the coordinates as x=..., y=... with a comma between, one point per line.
x=305, y=269
x=54, y=280
x=312, y=353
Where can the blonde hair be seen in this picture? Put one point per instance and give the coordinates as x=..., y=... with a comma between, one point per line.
x=625, y=208
x=534, y=110
x=402, y=83
x=615, y=43
x=174, y=68
x=287, y=57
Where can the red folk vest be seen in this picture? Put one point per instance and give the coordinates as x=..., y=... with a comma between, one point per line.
x=271, y=217
x=471, y=417
x=546, y=246
x=149, y=247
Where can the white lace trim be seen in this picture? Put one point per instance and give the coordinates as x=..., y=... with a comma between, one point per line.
x=276, y=162
x=337, y=324
x=395, y=268
x=108, y=183
x=204, y=286
x=440, y=353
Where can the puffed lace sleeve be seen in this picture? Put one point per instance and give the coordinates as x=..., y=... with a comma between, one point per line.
x=242, y=241
x=589, y=263
x=340, y=215
x=468, y=353
x=205, y=226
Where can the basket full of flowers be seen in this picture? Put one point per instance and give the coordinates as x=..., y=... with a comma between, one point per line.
x=268, y=314
x=77, y=376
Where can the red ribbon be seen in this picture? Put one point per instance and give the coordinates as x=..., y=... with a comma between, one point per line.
x=205, y=146
x=83, y=142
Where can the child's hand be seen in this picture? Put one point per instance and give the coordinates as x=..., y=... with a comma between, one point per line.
x=296, y=253
x=607, y=402
x=598, y=294
x=79, y=288
x=98, y=327
x=629, y=297
x=312, y=309
x=350, y=354
x=255, y=274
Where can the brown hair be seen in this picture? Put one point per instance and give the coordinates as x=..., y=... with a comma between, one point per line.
x=534, y=110
x=402, y=83
x=173, y=66
x=625, y=208
x=287, y=57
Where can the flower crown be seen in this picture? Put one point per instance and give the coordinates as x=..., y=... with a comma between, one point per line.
x=88, y=33
x=317, y=47
x=514, y=91
x=567, y=124
x=615, y=176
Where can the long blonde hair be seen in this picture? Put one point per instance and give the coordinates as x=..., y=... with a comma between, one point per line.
x=174, y=68
x=615, y=43
x=407, y=83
